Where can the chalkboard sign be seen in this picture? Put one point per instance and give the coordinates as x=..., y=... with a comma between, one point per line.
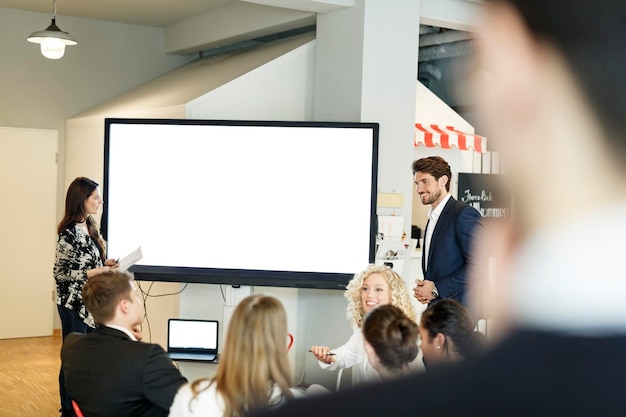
x=486, y=194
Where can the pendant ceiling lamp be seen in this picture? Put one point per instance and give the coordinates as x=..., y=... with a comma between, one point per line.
x=52, y=40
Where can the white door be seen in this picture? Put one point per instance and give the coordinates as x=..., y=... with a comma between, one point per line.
x=28, y=186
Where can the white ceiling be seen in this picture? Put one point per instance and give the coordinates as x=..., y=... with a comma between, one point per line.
x=192, y=26
x=139, y=12
x=197, y=25
x=160, y=13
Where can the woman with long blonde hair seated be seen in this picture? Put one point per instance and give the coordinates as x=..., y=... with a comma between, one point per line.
x=253, y=372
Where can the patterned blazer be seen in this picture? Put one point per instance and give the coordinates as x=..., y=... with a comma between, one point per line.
x=76, y=252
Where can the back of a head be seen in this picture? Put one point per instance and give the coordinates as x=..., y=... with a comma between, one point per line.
x=254, y=355
x=392, y=335
x=103, y=291
x=590, y=35
x=451, y=319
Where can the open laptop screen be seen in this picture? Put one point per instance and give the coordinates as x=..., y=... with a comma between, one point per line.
x=192, y=339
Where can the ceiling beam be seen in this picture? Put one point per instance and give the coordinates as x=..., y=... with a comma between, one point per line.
x=452, y=14
x=315, y=6
x=232, y=23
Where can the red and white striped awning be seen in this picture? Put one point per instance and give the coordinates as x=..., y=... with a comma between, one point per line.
x=447, y=137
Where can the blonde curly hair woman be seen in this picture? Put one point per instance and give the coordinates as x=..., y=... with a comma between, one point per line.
x=375, y=286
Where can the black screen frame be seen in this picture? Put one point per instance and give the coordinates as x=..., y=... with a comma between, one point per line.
x=238, y=277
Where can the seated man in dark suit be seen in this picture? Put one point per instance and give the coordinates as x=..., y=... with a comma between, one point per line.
x=108, y=372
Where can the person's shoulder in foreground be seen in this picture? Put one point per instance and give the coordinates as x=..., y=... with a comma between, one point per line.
x=552, y=84
x=528, y=374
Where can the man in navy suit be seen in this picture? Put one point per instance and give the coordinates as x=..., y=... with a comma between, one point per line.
x=448, y=236
x=109, y=372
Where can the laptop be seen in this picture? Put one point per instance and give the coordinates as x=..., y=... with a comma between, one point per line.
x=192, y=340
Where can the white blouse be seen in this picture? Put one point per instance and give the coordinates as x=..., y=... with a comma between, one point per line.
x=210, y=403
x=352, y=354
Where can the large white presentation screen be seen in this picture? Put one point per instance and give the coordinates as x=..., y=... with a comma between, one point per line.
x=242, y=201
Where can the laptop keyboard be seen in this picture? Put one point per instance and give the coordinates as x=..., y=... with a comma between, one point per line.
x=192, y=357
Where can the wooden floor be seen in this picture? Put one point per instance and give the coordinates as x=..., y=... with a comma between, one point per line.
x=29, y=377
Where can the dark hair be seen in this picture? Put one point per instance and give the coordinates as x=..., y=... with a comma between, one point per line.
x=451, y=319
x=103, y=291
x=435, y=166
x=591, y=36
x=77, y=193
x=392, y=335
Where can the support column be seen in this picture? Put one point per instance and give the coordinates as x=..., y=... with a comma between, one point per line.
x=366, y=70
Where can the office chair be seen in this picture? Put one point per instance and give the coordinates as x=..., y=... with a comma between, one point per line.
x=77, y=409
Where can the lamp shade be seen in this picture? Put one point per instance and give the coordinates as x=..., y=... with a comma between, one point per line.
x=53, y=41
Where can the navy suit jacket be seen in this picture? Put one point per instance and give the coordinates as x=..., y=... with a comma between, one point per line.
x=450, y=247
x=108, y=374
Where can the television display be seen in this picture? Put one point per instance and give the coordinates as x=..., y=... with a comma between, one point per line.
x=241, y=202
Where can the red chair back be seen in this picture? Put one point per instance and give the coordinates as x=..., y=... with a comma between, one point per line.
x=77, y=409
x=290, y=342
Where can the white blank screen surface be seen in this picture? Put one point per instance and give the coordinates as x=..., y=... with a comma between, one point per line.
x=192, y=334
x=241, y=197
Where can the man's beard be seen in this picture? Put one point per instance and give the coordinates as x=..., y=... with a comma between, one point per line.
x=432, y=198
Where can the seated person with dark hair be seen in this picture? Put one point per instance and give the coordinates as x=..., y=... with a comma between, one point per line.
x=447, y=333
x=390, y=341
x=108, y=372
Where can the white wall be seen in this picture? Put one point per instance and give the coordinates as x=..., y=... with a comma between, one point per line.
x=41, y=93
x=430, y=109
x=109, y=59
x=279, y=90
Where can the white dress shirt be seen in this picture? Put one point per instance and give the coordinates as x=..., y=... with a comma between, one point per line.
x=122, y=329
x=433, y=217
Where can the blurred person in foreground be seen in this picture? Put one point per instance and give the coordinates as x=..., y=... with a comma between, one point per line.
x=554, y=95
x=109, y=372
